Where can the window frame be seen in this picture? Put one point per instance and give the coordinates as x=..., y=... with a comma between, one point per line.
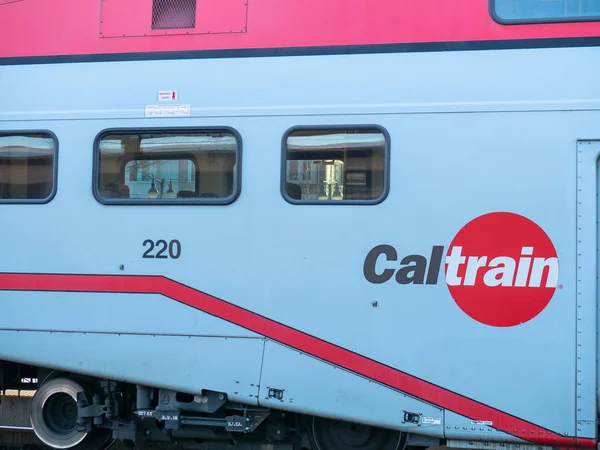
x=386, y=162
x=494, y=15
x=53, y=191
x=166, y=201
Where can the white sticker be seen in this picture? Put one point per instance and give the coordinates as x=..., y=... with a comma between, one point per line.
x=168, y=96
x=431, y=420
x=168, y=110
x=481, y=422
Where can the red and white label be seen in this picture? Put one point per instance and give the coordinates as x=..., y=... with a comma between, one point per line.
x=501, y=269
x=168, y=96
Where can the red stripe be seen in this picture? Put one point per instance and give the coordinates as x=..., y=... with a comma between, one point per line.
x=296, y=339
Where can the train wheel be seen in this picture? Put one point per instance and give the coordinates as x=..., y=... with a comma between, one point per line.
x=54, y=418
x=329, y=434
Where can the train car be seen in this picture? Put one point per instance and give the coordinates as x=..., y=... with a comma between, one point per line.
x=331, y=225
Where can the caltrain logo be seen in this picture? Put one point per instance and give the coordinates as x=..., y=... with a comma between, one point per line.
x=501, y=268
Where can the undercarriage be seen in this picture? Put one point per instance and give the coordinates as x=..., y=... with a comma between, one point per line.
x=49, y=409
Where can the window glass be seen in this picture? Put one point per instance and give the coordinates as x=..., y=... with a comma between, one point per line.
x=27, y=163
x=335, y=165
x=551, y=10
x=163, y=167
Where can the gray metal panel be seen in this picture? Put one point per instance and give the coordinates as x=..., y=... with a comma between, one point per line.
x=181, y=363
x=313, y=386
x=460, y=427
x=119, y=313
x=14, y=412
x=302, y=266
x=471, y=81
x=588, y=182
x=468, y=444
x=268, y=254
x=259, y=265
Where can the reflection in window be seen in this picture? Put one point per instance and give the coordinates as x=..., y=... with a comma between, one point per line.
x=335, y=165
x=547, y=9
x=166, y=176
x=26, y=167
x=146, y=167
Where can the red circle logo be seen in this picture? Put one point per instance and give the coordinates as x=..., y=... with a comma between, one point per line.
x=501, y=269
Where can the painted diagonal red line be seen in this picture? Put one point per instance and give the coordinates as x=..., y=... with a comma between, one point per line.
x=294, y=338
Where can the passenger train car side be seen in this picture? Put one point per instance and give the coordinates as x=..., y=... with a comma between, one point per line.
x=301, y=226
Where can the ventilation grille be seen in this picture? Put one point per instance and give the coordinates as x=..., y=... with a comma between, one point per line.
x=173, y=14
x=140, y=18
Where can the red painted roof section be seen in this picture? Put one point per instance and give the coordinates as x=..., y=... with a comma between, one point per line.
x=76, y=27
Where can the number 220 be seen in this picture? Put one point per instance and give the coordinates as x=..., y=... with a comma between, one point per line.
x=174, y=249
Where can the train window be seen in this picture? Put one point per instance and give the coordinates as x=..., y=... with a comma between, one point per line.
x=335, y=165
x=27, y=167
x=167, y=167
x=532, y=11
